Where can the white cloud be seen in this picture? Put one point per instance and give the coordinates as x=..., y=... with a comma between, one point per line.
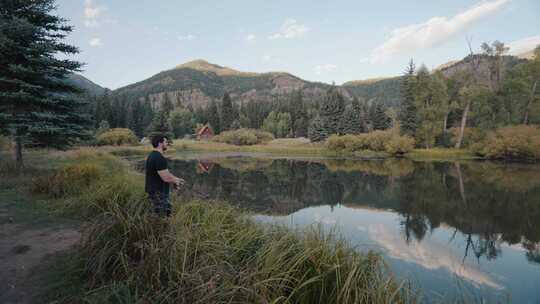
x=187, y=37
x=290, y=29
x=523, y=45
x=92, y=13
x=267, y=58
x=325, y=68
x=95, y=42
x=250, y=37
x=434, y=31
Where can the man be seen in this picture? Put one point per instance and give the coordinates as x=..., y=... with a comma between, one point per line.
x=158, y=177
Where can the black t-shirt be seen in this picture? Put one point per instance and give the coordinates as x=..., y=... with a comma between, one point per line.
x=154, y=163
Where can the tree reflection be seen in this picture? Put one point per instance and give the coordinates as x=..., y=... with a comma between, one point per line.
x=480, y=200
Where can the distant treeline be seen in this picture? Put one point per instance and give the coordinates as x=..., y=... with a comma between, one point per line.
x=431, y=107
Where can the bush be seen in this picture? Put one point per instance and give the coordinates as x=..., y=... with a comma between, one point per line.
x=399, y=145
x=470, y=136
x=379, y=141
x=511, y=143
x=243, y=137
x=116, y=137
x=70, y=180
x=4, y=143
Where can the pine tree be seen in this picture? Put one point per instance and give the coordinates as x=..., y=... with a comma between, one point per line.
x=213, y=117
x=332, y=111
x=148, y=113
x=167, y=104
x=380, y=120
x=160, y=126
x=407, y=111
x=352, y=122
x=137, y=118
x=317, y=131
x=37, y=105
x=181, y=122
x=227, y=113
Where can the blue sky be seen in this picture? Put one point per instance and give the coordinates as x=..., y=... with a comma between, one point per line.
x=123, y=42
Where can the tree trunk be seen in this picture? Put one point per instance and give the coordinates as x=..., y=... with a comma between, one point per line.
x=17, y=151
x=461, y=184
x=463, y=123
x=445, y=121
x=526, y=114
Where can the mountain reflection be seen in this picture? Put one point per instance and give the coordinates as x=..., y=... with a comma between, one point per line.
x=491, y=204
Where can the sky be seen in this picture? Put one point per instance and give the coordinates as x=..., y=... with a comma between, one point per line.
x=123, y=42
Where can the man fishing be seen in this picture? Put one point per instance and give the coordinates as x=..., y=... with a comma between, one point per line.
x=158, y=177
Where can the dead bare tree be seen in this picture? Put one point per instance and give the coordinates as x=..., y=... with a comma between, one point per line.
x=474, y=62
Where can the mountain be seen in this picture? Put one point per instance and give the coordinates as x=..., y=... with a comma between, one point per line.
x=483, y=69
x=199, y=82
x=385, y=90
x=87, y=85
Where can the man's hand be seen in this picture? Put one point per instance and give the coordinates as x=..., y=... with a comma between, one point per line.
x=179, y=182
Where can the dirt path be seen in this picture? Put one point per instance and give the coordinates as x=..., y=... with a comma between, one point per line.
x=27, y=237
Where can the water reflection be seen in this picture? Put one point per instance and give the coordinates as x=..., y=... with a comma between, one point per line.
x=477, y=221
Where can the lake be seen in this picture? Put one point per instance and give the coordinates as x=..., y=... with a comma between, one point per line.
x=463, y=230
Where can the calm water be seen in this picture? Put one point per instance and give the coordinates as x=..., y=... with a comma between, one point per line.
x=454, y=229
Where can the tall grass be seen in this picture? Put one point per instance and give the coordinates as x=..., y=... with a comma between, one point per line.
x=210, y=252
x=207, y=252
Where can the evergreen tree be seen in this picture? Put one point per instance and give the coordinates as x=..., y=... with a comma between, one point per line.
x=37, y=105
x=379, y=119
x=236, y=125
x=407, y=111
x=200, y=115
x=317, y=131
x=148, y=113
x=103, y=127
x=352, y=122
x=332, y=111
x=296, y=109
x=227, y=112
x=213, y=117
x=167, y=104
x=182, y=122
x=137, y=118
x=302, y=124
x=160, y=126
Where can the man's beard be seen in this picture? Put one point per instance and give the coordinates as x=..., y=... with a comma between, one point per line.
x=164, y=148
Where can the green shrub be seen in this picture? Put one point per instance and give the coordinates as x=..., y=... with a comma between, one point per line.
x=4, y=143
x=70, y=180
x=511, y=143
x=470, y=136
x=378, y=141
x=243, y=137
x=116, y=137
x=399, y=145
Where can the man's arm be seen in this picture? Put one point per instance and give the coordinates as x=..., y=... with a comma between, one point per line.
x=168, y=177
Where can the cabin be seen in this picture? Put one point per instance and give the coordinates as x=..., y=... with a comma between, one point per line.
x=205, y=133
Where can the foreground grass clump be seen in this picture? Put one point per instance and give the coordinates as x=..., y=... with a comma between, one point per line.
x=242, y=137
x=511, y=143
x=378, y=141
x=117, y=137
x=213, y=253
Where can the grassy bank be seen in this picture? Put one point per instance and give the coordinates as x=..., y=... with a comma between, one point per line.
x=207, y=252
